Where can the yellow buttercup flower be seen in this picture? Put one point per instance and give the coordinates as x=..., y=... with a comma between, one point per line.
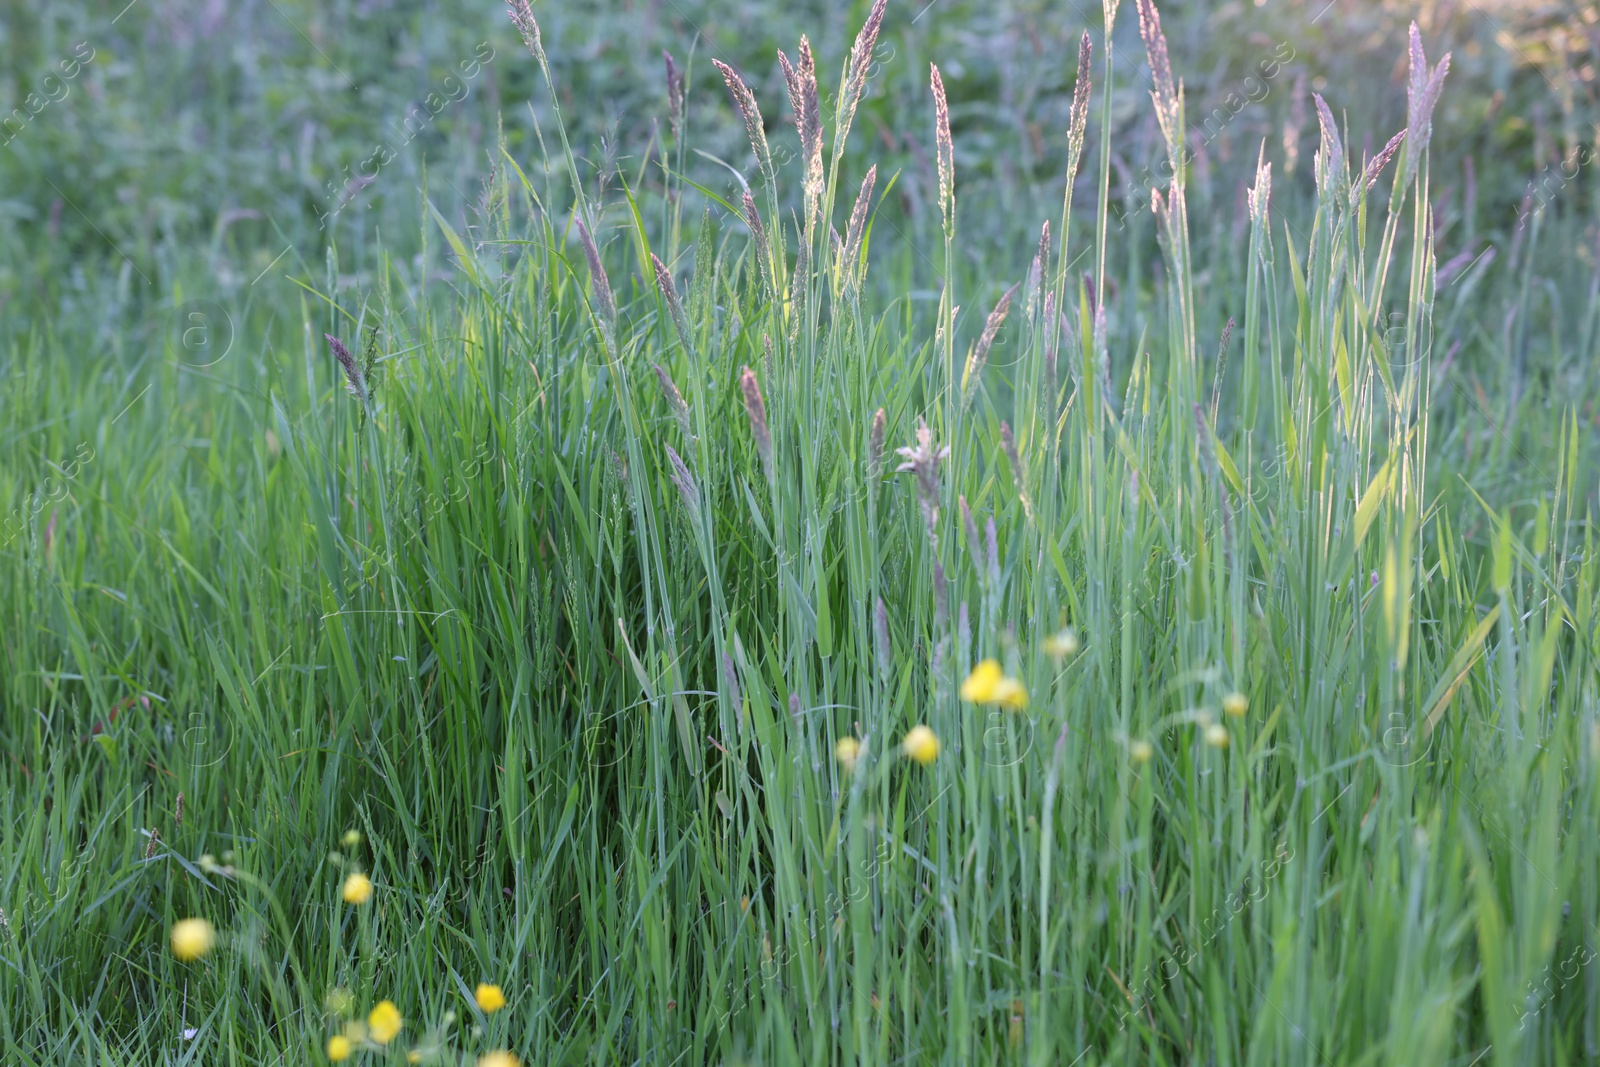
x=980, y=684
x=1217, y=735
x=1010, y=693
x=1062, y=644
x=414, y=1056
x=847, y=751
x=498, y=1058
x=357, y=889
x=384, y=1022
x=489, y=997
x=192, y=938
x=338, y=1048
x=352, y=838
x=1236, y=704
x=1141, y=751
x=921, y=744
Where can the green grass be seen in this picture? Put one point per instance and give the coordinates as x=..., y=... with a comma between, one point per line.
x=581, y=700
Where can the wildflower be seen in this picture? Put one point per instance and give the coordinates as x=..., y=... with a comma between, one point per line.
x=357, y=888
x=1061, y=644
x=489, y=997
x=923, y=459
x=338, y=1048
x=192, y=938
x=1236, y=704
x=352, y=838
x=1141, y=751
x=1217, y=735
x=1010, y=693
x=979, y=688
x=384, y=1022
x=498, y=1058
x=988, y=684
x=414, y=1056
x=921, y=744
x=847, y=751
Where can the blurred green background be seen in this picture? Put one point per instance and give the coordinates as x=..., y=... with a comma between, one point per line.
x=165, y=138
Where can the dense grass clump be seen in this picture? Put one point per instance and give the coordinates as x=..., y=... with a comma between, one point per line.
x=728, y=622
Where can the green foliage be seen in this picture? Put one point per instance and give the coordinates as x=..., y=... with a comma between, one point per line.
x=564, y=591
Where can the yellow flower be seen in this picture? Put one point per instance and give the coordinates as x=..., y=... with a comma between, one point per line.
x=1141, y=751
x=1217, y=735
x=489, y=997
x=192, y=938
x=338, y=1048
x=357, y=889
x=1010, y=693
x=921, y=744
x=414, y=1056
x=847, y=751
x=980, y=684
x=1062, y=644
x=1236, y=704
x=352, y=838
x=498, y=1058
x=385, y=1022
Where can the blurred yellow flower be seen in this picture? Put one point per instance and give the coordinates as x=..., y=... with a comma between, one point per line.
x=988, y=684
x=1141, y=751
x=498, y=1058
x=352, y=838
x=414, y=1056
x=847, y=751
x=980, y=684
x=385, y=1022
x=192, y=938
x=1217, y=735
x=489, y=998
x=921, y=744
x=339, y=1001
x=1236, y=704
x=357, y=889
x=1010, y=693
x=1062, y=644
x=338, y=1048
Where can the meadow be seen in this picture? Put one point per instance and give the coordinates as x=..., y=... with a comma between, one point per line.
x=1003, y=533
